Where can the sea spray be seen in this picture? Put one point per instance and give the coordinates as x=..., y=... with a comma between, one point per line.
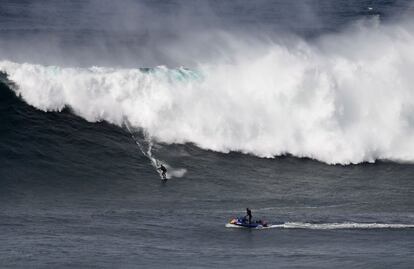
x=341, y=99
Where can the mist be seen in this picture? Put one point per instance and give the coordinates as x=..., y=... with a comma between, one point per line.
x=338, y=93
x=151, y=33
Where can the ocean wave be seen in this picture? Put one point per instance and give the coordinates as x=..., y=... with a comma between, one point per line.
x=344, y=98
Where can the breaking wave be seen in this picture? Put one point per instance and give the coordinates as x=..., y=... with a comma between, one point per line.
x=343, y=98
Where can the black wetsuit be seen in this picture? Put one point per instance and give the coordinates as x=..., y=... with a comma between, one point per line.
x=164, y=171
x=249, y=215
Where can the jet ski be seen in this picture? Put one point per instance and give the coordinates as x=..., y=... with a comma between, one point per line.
x=242, y=222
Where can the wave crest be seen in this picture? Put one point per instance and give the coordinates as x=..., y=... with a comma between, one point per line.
x=345, y=98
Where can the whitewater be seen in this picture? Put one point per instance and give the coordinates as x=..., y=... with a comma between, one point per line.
x=343, y=98
x=331, y=226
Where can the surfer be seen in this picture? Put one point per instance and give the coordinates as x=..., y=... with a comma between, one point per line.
x=163, y=172
x=249, y=215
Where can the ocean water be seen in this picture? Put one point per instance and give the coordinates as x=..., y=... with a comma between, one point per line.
x=299, y=110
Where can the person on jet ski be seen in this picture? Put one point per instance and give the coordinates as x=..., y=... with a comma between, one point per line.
x=249, y=215
x=163, y=171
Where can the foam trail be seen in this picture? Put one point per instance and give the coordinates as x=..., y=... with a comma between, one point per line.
x=147, y=153
x=172, y=172
x=346, y=225
x=334, y=226
x=345, y=98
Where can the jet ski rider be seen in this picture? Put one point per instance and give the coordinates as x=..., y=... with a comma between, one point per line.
x=249, y=215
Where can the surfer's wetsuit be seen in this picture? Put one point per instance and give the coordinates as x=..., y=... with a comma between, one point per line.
x=164, y=171
x=249, y=215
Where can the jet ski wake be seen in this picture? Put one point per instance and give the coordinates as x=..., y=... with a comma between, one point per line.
x=242, y=222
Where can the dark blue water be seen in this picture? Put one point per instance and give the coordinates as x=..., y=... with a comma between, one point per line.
x=79, y=194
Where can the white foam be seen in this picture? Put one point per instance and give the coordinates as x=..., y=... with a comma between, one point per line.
x=332, y=226
x=145, y=147
x=346, y=225
x=345, y=98
x=229, y=225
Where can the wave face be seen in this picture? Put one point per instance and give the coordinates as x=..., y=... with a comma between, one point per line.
x=343, y=98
